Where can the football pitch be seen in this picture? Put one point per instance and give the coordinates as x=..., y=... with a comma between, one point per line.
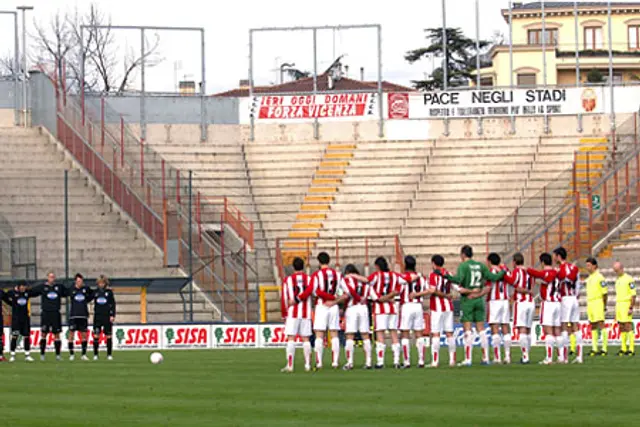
x=245, y=387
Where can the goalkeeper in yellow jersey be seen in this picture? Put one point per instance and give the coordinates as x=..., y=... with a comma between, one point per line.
x=625, y=301
x=596, y=306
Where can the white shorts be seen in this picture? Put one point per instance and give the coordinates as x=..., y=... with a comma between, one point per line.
x=326, y=318
x=550, y=313
x=499, y=313
x=385, y=322
x=441, y=322
x=570, y=310
x=412, y=317
x=357, y=319
x=523, y=314
x=300, y=327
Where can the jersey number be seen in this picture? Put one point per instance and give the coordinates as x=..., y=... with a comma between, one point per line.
x=476, y=277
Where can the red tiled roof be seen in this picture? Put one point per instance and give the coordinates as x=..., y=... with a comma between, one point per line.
x=306, y=85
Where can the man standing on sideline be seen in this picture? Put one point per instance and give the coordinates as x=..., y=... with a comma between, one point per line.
x=80, y=295
x=597, y=294
x=18, y=299
x=499, y=313
x=471, y=277
x=2, y=359
x=51, y=294
x=296, y=308
x=327, y=315
x=625, y=301
x=568, y=275
x=104, y=314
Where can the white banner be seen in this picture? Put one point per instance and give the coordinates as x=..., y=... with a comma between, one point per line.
x=235, y=336
x=186, y=336
x=304, y=108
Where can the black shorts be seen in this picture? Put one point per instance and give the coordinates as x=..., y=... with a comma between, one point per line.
x=78, y=324
x=102, y=324
x=50, y=322
x=21, y=326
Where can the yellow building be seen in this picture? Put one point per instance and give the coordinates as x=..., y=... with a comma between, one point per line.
x=593, y=44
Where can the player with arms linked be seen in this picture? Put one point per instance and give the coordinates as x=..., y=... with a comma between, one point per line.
x=18, y=299
x=50, y=320
x=104, y=314
x=80, y=295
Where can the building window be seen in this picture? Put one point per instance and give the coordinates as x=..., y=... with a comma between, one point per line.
x=592, y=38
x=634, y=37
x=617, y=77
x=535, y=37
x=526, y=79
x=486, y=81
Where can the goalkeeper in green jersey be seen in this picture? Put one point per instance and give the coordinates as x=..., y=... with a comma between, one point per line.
x=471, y=276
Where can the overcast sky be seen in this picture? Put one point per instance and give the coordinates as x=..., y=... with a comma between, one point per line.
x=227, y=24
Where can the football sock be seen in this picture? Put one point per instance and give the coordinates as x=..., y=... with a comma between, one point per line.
x=348, y=351
x=84, y=348
x=58, y=346
x=573, y=342
x=579, y=344
x=420, y=344
x=13, y=344
x=380, y=349
x=507, y=346
x=468, y=346
x=43, y=346
x=605, y=338
x=306, y=349
x=71, y=352
x=495, y=343
x=396, y=353
x=27, y=345
x=435, y=350
x=406, y=351
x=623, y=341
x=291, y=352
x=335, y=350
x=1, y=344
x=594, y=339
x=96, y=346
x=484, y=343
x=451, y=341
x=564, y=341
x=524, y=345
x=319, y=348
x=367, y=352
x=109, y=346
x=631, y=336
x=549, y=346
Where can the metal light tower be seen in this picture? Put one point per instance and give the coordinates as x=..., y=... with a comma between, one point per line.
x=24, y=61
x=16, y=64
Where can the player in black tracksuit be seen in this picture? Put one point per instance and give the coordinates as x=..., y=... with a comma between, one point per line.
x=2, y=359
x=104, y=314
x=18, y=299
x=80, y=296
x=50, y=320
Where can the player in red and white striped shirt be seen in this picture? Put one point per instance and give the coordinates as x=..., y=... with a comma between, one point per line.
x=499, y=312
x=550, y=307
x=412, y=291
x=327, y=315
x=524, y=306
x=296, y=307
x=568, y=275
x=356, y=294
x=387, y=285
x=441, y=308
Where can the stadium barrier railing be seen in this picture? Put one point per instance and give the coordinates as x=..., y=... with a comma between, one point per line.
x=150, y=192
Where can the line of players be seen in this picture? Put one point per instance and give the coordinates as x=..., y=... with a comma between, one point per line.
x=398, y=305
x=51, y=294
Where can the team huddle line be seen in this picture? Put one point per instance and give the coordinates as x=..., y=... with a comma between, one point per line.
x=397, y=308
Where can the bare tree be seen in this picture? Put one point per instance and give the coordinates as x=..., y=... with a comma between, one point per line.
x=73, y=38
x=8, y=65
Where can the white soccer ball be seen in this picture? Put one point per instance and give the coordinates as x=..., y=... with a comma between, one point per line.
x=156, y=358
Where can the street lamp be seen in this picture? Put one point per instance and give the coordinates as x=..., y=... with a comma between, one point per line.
x=283, y=67
x=24, y=59
x=16, y=64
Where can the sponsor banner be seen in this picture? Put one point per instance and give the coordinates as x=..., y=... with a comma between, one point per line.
x=585, y=327
x=345, y=106
x=186, y=336
x=137, y=337
x=273, y=336
x=235, y=336
x=496, y=103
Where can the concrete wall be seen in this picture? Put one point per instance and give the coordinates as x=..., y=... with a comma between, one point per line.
x=170, y=109
x=43, y=106
x=7, y=102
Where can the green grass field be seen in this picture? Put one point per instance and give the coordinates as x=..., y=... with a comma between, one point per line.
x=245, y=387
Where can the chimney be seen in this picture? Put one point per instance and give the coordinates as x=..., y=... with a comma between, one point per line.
x=362, y=73
x=517, y=5
x=346, y=71
x=244, y=83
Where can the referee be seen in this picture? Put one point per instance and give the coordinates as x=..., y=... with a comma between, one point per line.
x=80, y=295
x=104, y=314
x=50, y=322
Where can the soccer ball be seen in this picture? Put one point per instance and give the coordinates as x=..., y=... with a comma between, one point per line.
x=156, y=358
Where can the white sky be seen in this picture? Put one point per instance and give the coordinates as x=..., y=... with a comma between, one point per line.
x=227, y=26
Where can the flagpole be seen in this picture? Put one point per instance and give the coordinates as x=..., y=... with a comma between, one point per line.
x=544, y=62
x=445, y=65
x=610, y=35
x=478, y=77
x=513, y=118
x=577, y=37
